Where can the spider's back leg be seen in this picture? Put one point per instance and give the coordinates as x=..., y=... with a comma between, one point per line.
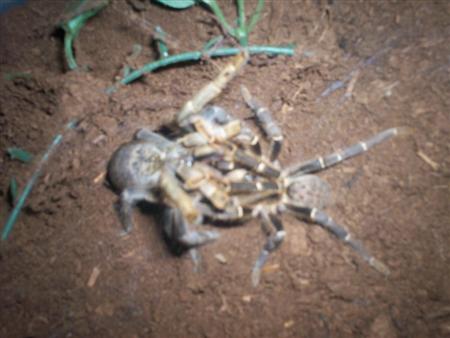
x=268, y=220
x=326, y=222
x=321, y=163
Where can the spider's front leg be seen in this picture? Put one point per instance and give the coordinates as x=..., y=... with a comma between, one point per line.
x=211, y=90
x=208, y=181
x=214, y=127
x=267, y=123
x=128, y=199
x=185, y=213
x=175, y=228
x=246, y=136
x=249, y=161
x=321, y=218
x=321, y=163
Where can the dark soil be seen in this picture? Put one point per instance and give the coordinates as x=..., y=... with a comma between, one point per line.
x=395, y=198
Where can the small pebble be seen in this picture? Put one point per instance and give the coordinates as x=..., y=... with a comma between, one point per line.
x=221, y=258
x=247, y=298
x=73, y=194
x=288, y=324
x=93, y=278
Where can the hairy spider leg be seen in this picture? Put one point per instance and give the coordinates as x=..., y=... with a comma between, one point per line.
x=232, y=213
x=321, y=163
x=213, y=129
x=252, y=187
x=256, y=164
x=234, y=158
x=266, y=122
x=321, y=218
x=268, y=220
x=211, y=90
x=176, y=196
x=246, y=136
x=128, y=199
x=177, y=228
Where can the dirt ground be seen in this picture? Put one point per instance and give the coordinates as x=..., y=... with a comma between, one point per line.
x=394, y=59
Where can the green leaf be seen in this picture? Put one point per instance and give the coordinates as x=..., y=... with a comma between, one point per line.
x=177, y=4
x=19, y=154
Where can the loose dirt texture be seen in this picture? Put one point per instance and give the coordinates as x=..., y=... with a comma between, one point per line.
x=66, y=272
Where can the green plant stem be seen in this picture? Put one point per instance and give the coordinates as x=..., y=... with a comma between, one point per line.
x=211, y=43
x=72, y=29
x=32, y=181
x=241, y=31
x=214, y=6
x=68, y=51
x=161, y=43
x=255, y=16
x=195, y=56
x=13, y=191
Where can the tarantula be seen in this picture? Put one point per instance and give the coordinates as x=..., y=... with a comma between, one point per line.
x=215, y=169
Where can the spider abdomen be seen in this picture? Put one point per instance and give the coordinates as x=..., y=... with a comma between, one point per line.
x=309, y=191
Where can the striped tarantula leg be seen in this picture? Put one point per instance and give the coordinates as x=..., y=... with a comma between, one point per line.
x=214, y=132
x=326, y=222
x=176, y=228
x=211, y=90
x=268, y=220
x=231, y=213
x=255, y=164
x=248, y=139
x=216, y=115
x=169, y=228
x=267, y=123
x=251, y=187
x=219, y=116
x=321, y=163
x=199, y=145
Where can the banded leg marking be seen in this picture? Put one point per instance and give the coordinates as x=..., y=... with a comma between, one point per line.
x=214, y=132
x=248, y=139
x=233, y=212
x=326, y=222
x=321, y=163
x=266, y=122
x=211, y=90
x=219, y=116
x=255, y=164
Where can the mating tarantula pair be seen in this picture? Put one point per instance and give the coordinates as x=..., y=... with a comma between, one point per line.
x=215, y=170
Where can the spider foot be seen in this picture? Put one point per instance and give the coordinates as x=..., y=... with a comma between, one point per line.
x=124, y=232
x=194, y=239
x=196, y=259
x=257, y=268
